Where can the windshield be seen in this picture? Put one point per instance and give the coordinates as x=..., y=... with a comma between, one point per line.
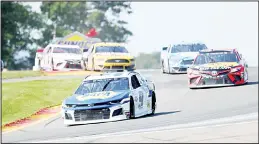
x=188, y=48
x=66, y=50
x=187, y=62
x=216, y=57
x=103, y=49
x=100, y=85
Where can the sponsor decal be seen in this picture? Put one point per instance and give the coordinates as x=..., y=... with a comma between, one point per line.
x=215, y=67
x=97, y=95
x=148, y=104
x=80, y=40
x=218, y=66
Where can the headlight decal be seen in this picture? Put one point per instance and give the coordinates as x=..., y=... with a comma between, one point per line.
x=125, y=100
x=236, y=69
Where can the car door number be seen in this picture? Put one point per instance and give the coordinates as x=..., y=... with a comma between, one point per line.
x=141, y=99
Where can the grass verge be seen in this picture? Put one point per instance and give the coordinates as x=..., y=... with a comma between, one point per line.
x=21, y=74
x=22, y=99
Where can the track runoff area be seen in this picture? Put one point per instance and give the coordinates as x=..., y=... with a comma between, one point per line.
x=178, y=109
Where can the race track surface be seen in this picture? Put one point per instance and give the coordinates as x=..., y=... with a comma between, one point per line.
x=177, y=104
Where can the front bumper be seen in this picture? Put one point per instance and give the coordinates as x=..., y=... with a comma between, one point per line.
x=226, y=79
x=117, y=66
x=96, y=114
x=68, y=65
x=178, y=69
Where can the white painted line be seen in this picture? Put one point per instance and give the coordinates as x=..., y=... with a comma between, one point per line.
x=194, y=125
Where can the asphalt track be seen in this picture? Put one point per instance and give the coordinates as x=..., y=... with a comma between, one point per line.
x=177, y=104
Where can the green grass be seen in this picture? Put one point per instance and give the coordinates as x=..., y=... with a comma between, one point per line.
x=21, y=74
x=22, y=99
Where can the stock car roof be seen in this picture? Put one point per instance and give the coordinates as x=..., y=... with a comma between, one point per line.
x=217, y=49
x=108, y=44
x=108, y=75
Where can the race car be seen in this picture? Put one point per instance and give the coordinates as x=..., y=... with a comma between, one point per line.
x=177, y=58
x=110, y=97
x=57, y=57
x=104, y=56
x=217, y=67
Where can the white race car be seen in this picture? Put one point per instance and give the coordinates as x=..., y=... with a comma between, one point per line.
x=110, y=97
x=177, y=58
x=61, y=57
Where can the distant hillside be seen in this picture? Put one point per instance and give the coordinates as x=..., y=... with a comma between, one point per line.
x=148, y=60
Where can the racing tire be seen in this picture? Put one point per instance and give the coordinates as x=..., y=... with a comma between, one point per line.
x=87, y=67
x=162, y=67
x=246, y=76
x=169, y=72
x=153, y=105
x=132, y=109
x=83, y=65
x=93, y=68
x=52, y=65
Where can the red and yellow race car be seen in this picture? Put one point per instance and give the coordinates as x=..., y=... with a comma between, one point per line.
x=217, y=67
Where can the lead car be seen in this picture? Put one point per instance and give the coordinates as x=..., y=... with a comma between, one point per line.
x=110, y=97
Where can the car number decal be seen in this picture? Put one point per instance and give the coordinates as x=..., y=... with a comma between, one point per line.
x=141, y=99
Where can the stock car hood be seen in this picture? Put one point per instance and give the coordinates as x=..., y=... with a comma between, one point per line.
x=67, y=56
x=97, y=97
x=175, y=58
x=217, y=66
x=114, y=55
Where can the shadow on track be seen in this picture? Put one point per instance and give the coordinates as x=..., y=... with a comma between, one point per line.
x=142, y=117
x=217, y=87
x=252, y=83
x=180, y=74
x=159, y=114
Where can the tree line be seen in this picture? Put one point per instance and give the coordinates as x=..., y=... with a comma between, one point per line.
x=21, y=26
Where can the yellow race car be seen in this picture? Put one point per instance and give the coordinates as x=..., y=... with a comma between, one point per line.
x=104, y=56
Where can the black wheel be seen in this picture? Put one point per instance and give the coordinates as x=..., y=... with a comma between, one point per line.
x=162, y=67
x=246, y=76
x=153, y=104
x=52, y=64
x=87, y=66
x=93, y=69
x=83, y=65
x=132, y=109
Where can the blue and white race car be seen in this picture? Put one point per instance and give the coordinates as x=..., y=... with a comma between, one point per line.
x=110, y=97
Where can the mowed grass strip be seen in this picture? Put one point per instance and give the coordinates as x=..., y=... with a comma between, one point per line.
x=22, y=99
x=21, y=74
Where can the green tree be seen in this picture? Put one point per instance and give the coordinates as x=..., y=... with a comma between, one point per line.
x=82, y=16
x=18, y=21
